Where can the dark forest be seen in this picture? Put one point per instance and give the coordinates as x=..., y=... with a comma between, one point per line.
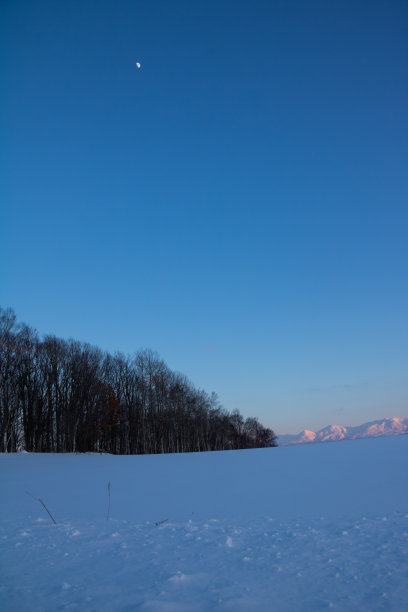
x=66, y=396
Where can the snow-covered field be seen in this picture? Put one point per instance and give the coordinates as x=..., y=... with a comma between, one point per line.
x=293, y=528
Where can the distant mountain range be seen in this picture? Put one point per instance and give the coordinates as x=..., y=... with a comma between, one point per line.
x=393, y=426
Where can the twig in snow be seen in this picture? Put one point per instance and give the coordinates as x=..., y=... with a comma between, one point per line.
x=52, y=518
x=108, y=513
x=44, y=506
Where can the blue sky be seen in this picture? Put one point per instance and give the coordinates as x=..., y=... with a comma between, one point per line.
x=239, y=204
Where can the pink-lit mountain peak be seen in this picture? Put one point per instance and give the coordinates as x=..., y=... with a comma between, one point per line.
x=307, y=436
x=390, y=426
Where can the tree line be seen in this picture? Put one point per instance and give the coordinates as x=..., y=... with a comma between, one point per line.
x=66, y=396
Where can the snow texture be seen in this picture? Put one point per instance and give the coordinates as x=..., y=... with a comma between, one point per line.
x=303, y=528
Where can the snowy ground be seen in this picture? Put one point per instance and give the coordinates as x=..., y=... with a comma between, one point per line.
x=294, y=528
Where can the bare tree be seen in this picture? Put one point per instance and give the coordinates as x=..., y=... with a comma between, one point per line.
x=65, y=396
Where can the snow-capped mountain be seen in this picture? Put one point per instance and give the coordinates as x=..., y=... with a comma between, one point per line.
x=390, y=426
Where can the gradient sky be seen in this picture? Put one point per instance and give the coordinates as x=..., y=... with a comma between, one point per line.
x=239, y=204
